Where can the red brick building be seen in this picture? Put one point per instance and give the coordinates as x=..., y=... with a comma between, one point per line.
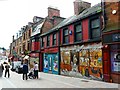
x=111, y=41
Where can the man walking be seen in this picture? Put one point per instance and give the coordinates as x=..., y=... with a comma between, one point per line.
x=25, y=70
x=1, y=69
x=7, y=70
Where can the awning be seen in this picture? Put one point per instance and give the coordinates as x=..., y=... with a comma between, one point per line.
x=26, y=57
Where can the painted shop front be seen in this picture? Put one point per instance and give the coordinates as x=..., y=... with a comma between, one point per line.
x=34, y=57
x=82, y=61
x=51, y=63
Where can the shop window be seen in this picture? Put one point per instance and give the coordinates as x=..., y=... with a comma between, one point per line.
x=65, y=36
x=78, y=33
x=54, y=39
x=95, y=28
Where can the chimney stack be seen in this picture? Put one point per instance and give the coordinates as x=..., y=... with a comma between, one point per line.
x=53, y=12
x=80, y=6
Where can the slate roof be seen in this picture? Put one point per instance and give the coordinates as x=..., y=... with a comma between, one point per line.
x=61, y=24
x=88, y=12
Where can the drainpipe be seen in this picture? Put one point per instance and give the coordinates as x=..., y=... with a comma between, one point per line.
x=103, y=17
x=59, y=51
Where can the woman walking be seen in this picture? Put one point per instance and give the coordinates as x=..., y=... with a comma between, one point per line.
x=35, y=70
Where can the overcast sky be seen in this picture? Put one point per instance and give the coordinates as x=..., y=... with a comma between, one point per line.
x=15, y=14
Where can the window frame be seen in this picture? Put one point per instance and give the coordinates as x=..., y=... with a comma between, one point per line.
x=76, y=33
x=91, y=35
x=42, y=42
x=67, y=35
x=54, y=39
x=48, y=40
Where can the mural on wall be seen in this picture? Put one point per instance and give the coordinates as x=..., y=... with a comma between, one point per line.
x=65, y=62
x=55, y=63
x=85, y=62
x=51, y=64
x=91, y=63
x=34, y=57
x=45, y=62
x=74, y=61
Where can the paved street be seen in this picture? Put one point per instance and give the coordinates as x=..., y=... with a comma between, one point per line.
x=51, y=81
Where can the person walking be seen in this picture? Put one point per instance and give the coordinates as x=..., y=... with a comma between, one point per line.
x=1, y=69
x=7, y=66
x=35, y=70
x=25, y=70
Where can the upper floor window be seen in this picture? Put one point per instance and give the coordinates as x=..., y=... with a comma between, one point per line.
x=42, y=42
x=24, y=36
x=65, y=36
x=54, y=39
x=28, y=46
x=95, y=28
x=78, y=32
x=20, y=49
x=29, y=33
x=48, y=40
x=20, y=40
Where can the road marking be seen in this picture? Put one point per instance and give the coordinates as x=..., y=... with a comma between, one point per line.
x=10, y=82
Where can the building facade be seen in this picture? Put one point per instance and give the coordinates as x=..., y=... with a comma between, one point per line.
x=49, y=42
x=111, y=41
x=35, y=40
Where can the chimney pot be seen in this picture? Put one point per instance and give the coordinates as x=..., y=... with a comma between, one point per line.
x=53, y=12
x=80, y=6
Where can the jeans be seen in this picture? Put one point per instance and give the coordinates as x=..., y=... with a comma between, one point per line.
x=25, y=75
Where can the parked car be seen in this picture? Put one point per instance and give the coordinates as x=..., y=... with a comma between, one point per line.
x=15, y=64
x=19, y=69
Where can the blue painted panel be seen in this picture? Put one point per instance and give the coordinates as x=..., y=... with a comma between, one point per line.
x=55, y=64
x=46, y=64
x=51, y=63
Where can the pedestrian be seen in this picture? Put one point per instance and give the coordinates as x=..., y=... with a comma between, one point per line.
x=25, y=70
x=7, y=66
x=35, y=70
x=1, y=69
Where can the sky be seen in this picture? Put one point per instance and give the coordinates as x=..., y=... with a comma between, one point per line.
x=14, y=14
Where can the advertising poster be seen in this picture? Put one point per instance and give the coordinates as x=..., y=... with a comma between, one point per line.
x=116, y=66
x=115, y=61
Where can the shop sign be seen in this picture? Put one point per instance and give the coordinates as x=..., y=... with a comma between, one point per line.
x=116, y=37
x=116, y=66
